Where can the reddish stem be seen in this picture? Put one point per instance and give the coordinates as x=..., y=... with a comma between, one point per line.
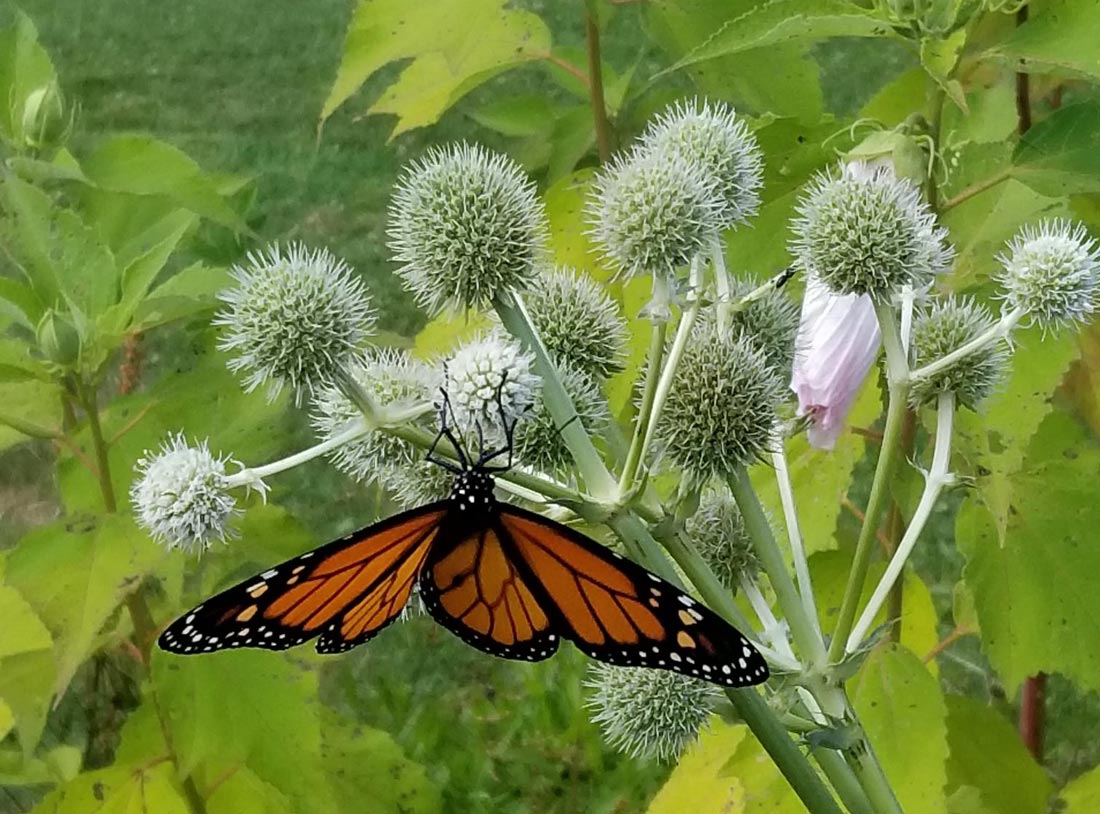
x=1032, y=714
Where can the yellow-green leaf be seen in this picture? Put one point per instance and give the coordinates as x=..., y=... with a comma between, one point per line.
x=699, y=783
x=447, y=60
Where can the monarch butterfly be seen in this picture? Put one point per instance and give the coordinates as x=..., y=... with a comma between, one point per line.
x=506, y=580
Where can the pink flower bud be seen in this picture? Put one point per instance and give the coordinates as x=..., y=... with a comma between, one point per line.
x=838, y=341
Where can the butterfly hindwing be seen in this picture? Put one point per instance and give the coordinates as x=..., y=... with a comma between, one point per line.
x=345, y=591
x=620, y=613
x=472, y=588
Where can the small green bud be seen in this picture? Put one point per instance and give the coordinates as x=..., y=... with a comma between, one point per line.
x=58, y=339
x=718, y=534
x=769, y=322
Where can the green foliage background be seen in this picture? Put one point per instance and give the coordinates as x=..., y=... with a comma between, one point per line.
x=229, y=124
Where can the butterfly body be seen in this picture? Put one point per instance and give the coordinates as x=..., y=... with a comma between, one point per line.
x=505, y=580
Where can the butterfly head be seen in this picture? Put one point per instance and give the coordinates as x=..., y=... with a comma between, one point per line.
x=473, y=490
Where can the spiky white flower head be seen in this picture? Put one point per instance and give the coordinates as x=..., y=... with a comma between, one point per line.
x=396, y=382
x=769, y=322
x=294, y=317
x=863, y=230
x=466, y=225
x=648, y=713
x=485, y=376
x=944, y=326
x=579, y=324
x=652, y=213
x=721, y=410
x=181, y=496
x=539, y=442
x=838, y=342
x=720, y=143
x=718, y=533
x=1052, y=271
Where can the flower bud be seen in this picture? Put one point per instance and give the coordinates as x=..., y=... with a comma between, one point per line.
x=294, y=318
x=44, y=122
x=865, y=231
x=486, y=376
x=58, y=339
x=944, y=326
x=838, y=342
x=467, y=225
x=651, y=714
x=539, y=441
x=769, y=322
x=720, y=413
x=1053, y=272
x=653, y=213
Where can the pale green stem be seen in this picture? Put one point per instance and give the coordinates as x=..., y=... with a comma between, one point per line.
x=794, y=536
x=897, y=375
x=995, y=333
x=939, y=476
x=871, y=779
x=721, y=284
x=767, y=551
x=908, y=301
x=597, y=479
x=842, y=777
x=675, y=353
x=252, y=477
x=645, y=409
x=772, y=632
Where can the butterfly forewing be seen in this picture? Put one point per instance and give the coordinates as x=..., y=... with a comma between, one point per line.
x=618, y=612
x=346, y=592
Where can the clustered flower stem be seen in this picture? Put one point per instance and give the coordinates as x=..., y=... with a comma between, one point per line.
x=645, y=409
x=938, y=477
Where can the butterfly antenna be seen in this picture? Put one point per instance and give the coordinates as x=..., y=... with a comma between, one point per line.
x=509, y=431
x=445, y=430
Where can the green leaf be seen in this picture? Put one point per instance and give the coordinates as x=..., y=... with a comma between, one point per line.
x=7, y=719
x=783, y=21
x=446, y=331
x=23, y=630
x=700, y=782
x=939, y=58
x=188, y=293
x=245, y=793
x=27, y=681
x=145, y=166
x=517, y=116
x=28, y=234
x=119, y=790
x=238, y=708
x=17, y=364
x=447, y=61
x=75, y=573
x=573, y=137
x=28, y=409
x=1059, y=37
x=1034, y=585
x=981, y=225
x=986, y=754
x=19, y=303
x=1082, y=795
x=1060, y=155
x=996, y=439
x=24, y=68
x=900, y=704
x=778, y=79
x=85, y=267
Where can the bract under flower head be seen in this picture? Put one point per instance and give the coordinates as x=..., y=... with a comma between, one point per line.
x=723, y=147
x=1053, y=272
x=838, y=342
x=181, y=496
x=863, y=230
x=653, y=213
x=294, y=318
x=466, y=225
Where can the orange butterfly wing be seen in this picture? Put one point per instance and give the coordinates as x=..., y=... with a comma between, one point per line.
x=345, y=592
x=475, y=590
x=617, y=611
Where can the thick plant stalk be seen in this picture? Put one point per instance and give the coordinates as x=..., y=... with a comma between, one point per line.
x=794, y=537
